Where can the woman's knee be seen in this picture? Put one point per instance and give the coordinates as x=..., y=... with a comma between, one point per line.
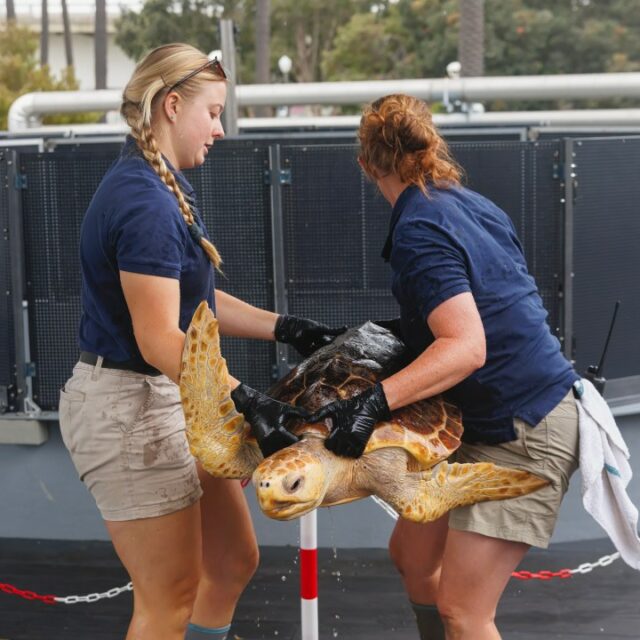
x=171, y=609
x=247, y=563
x=459, y=618
x=237, y=566
x=396, y=551
x=409, y=561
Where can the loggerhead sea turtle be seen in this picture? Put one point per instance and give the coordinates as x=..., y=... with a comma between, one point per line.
x=404, y=462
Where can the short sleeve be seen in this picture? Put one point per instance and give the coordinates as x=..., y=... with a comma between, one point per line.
x=429, y=265
x=149, y=235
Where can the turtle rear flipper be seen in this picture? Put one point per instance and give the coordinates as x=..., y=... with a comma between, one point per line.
x=215, y=430
x=448, y=486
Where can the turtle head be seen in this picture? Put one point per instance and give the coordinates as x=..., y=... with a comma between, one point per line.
x=292, y=481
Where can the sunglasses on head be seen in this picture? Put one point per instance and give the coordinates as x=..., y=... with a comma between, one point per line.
x=214, y=65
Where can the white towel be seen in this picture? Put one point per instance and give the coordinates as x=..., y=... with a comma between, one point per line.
x=604, y=464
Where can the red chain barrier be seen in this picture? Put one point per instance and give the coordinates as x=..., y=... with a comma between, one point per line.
x=27, y=595
x=541, y=575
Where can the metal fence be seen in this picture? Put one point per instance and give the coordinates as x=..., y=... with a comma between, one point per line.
x=606, y=256
x=300, y=231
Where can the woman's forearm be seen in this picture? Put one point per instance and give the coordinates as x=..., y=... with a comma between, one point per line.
x=442, y=365
x=242, y=320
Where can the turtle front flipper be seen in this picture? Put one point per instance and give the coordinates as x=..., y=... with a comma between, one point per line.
x=427, y=495
x=217, y=433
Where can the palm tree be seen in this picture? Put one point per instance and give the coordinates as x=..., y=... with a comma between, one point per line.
x=100, y=44
x=11, y=11
x=263, y=29
x=44, y=35
x=68, y=50
x=471, y=42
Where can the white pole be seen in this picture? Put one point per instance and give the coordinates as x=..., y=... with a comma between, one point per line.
x=309, y=576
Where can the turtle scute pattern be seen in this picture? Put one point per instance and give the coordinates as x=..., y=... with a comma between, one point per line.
x=429, y=430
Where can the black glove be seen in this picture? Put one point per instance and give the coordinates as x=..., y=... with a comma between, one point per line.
x=305, y=335
x=267, y=418
x=394, y=325
x=353, y=421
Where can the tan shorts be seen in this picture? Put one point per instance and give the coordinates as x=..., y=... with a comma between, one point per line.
x=126, y=435
x=550, y=450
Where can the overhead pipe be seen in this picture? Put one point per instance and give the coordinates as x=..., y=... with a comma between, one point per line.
x=27, y=110
x=627, y=118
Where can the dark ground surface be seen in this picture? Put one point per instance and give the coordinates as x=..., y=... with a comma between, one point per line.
x=361, y=596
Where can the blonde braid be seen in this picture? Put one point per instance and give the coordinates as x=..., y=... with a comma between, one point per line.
x=158, y=70
x=146, y=141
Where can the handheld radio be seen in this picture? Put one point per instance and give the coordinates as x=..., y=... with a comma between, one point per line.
x=594, y=372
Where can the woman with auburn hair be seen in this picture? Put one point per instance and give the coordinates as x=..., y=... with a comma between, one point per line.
x=147, y=261
x=474, y=322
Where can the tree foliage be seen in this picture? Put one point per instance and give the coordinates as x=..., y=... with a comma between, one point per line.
x=368, y=39
x=20, y=73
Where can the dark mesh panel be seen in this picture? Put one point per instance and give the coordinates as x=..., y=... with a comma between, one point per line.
x=518, y=177
x=60, y=187
x=335, y=226
x=234, y=201
x=606, y=256
x=7, y=350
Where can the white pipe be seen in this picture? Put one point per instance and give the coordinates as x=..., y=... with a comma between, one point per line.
x=569, y=118
x=595, y=85
x=29, y=107
x=584, y=85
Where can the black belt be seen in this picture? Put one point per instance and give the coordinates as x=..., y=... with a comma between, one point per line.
x=146, y=369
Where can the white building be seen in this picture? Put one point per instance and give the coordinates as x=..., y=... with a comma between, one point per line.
x=82, y=19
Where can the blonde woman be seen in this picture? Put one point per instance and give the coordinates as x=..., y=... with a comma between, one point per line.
x=473, y=319
x=147, y=261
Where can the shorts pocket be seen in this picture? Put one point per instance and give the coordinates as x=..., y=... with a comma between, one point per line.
x=70, y=410
x=534, y=441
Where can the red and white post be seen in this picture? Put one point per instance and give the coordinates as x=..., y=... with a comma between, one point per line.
x=309, y=576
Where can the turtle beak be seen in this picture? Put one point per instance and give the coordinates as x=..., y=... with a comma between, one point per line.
x=289, y=483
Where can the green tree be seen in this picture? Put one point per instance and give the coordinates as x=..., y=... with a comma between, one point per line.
x=418, y=38
x=368, y=47
x=20, y=74
x=304, y=29
x=192, y=21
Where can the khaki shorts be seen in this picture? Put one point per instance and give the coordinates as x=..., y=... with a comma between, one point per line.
x=549, y=450
x=126, y=435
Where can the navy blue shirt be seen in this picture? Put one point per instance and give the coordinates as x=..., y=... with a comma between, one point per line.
x=456, y=241
x=134, y=224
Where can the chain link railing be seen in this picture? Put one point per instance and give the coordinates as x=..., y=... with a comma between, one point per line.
x=585, y=567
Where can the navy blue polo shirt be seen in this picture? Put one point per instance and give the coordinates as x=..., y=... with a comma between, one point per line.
x=454, y=241
x=134, y=224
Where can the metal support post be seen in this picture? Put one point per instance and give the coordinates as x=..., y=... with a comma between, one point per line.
x=18, y=276
x=570, y=185
x=281, y=305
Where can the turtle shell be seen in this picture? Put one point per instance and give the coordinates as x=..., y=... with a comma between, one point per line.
x=429, y=430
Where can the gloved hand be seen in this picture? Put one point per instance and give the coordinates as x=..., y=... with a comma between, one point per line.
x=353, y=421
x=267, y=418
x=305, y=335
x=394, y=325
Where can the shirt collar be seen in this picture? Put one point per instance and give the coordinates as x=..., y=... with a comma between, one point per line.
x=131, y=148
x=396, y=213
